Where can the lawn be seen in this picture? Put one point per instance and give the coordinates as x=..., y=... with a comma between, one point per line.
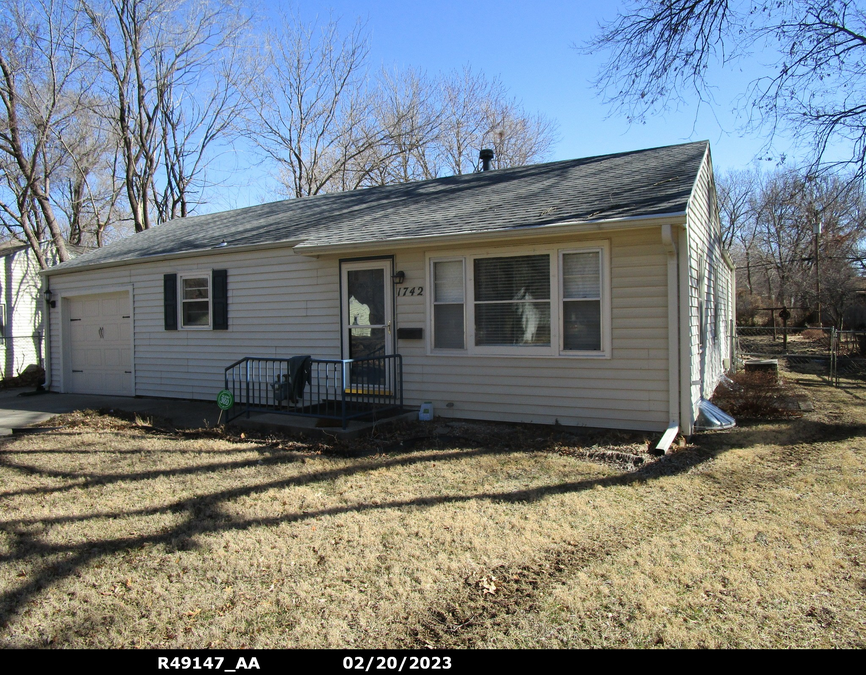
x=116, y=532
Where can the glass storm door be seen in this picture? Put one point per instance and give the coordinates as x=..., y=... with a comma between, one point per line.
x=367, y=309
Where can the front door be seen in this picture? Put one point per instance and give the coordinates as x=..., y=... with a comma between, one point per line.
x=367, y=309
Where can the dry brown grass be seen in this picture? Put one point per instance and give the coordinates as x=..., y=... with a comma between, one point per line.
x=114, y=533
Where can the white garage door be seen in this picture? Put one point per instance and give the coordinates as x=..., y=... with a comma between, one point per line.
x=100, y=347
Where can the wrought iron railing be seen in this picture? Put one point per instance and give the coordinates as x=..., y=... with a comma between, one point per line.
x=334, y=389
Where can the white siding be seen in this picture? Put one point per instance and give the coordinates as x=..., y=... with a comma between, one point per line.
x=710, y=290
x=628, y=390
x=282, y=304
x=21, y=344
x=279, y=304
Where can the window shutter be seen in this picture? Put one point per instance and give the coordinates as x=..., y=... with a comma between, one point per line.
x=220, y=295
x=169, y=288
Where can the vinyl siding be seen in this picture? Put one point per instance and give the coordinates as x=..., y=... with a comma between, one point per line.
x=710, y=290
x=283, y=304
x=279, y=304
x=21, y=344
x=628, y=390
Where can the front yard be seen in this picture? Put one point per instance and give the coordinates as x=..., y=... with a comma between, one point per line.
x=116, y=533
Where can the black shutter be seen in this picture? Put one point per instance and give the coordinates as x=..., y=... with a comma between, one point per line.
x=219, y=284
x=169, y=294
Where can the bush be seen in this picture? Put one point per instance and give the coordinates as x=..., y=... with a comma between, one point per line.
x=753, y=395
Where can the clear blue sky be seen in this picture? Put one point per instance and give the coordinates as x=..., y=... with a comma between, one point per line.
x=530, y=47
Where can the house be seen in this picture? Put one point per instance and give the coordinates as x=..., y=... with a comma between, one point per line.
x=20, y=309
x=587, y=292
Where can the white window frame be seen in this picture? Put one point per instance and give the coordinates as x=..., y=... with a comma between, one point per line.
x=603, y=250
x=181, y=301
x=556, y=347
x=432, y=302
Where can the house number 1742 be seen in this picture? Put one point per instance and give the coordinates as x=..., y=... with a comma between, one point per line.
x=415, y=290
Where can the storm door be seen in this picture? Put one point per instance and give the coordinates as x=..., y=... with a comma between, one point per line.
x=367, y=311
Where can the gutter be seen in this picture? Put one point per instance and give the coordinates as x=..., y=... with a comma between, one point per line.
x=685, y=337
x=211, y=250
x=300, y=248
x=514, y=233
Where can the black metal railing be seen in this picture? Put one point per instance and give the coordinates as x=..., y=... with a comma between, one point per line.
x=335, y=389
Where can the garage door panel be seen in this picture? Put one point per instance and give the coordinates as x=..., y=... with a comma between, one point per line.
x=99, y=349
x=93, y=358
x=91, y=309
x=112, y=358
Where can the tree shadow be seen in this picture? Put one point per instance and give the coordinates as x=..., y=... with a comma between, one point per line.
x=205, y=514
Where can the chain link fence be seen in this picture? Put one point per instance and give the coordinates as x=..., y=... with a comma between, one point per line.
x=837, y=355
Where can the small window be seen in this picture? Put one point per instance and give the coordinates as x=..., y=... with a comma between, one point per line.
x=581, y=301
x=195, y=301
x=448, y=308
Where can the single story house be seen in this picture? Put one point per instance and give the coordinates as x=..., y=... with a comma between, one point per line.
x=591, y=292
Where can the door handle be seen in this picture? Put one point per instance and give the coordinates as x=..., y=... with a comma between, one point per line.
x=389, y=328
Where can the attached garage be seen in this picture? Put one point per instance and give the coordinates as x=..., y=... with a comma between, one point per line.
x=99, y=330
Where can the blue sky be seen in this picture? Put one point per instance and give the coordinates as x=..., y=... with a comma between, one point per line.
x=530, y=46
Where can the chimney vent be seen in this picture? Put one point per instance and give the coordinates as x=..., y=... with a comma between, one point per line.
x=486, y=156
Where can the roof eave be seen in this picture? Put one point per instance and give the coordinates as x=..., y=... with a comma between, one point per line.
x=533, y=231
x=213, y=250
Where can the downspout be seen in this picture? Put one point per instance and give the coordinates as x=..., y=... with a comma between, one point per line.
x=673, y=342
x=686, y=412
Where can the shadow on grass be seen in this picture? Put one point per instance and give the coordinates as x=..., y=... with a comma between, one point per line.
x=205, y=515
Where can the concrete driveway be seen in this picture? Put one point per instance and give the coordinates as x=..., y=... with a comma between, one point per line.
x=17, y=411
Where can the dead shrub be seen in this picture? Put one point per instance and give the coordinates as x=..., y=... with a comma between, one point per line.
x=753, y=394
x=812, y=334
x=31, y=376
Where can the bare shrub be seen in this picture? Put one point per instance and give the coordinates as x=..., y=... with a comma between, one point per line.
x=753, y=394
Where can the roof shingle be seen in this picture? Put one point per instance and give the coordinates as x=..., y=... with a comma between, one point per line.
x=649, y=182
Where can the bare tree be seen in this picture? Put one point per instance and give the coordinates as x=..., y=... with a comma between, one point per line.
x=39, y=80
x=662, y=53
x=329, y=126
x=308, y=111
x=169, y=80
x=407, y=111
x=771, y=222
x=87, y=188
x=736, y=196
x=479, y=113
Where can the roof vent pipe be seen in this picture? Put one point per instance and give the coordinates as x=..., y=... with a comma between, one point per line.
x=486, y=156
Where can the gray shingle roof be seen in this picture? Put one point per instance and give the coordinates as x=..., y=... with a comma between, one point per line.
x=650, y=182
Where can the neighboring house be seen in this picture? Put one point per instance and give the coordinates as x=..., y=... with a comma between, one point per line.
x=20, y=309
x=588, y=292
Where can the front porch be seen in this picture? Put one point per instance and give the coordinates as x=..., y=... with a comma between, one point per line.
x=328, y=390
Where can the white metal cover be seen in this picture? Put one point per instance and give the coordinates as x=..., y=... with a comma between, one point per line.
x=100, y=346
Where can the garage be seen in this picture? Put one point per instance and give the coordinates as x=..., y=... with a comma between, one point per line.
x=100, y=344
